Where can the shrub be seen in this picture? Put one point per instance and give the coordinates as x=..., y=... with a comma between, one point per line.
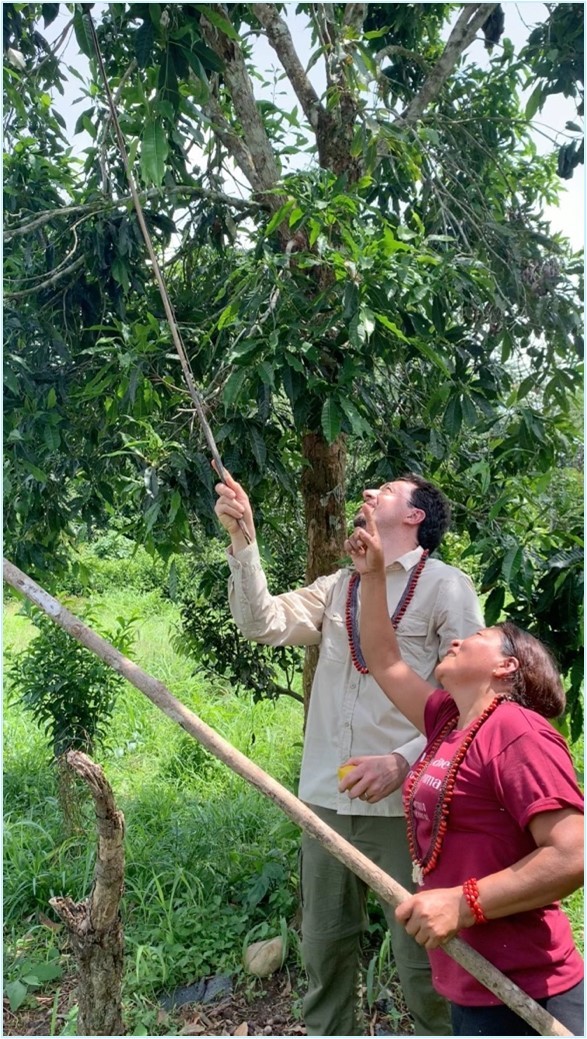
x=69, y=691
x=209, y=634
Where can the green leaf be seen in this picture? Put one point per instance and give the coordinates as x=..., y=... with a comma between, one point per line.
x=494, y=605
x=331, y=419
x=392, y=327
x=511, y=563
x=144, y=40
x=174, y=505
x=280, y=215
x=119, y=272
x=83, y=35
x=17, y=993
x=45, y=972
x=233, y=386
x=228, y=315
x=37, y=473
x=433, y=356
x=258, y=447
x=359, y=425
x=217, y=20
x=154, y=150
x=534, y=102
x=469, y=410
x=453, y=417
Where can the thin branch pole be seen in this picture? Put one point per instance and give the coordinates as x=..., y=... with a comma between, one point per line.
x=171, y=318
x=379, y=881
x=93, y=208
x=471, y=18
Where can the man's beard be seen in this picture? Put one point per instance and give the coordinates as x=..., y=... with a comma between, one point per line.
x=359, y=520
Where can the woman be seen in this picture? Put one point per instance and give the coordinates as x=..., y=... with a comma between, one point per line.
x=493, y=810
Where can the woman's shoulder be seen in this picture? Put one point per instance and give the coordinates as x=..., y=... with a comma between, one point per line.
x=440, y=708
x=512, y=721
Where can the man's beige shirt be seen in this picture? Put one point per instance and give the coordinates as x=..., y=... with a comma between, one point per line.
x=349, y=714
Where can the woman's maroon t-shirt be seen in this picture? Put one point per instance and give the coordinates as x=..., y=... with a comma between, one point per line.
x=516, y=767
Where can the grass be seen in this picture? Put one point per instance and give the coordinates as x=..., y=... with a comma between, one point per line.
x=198, y=838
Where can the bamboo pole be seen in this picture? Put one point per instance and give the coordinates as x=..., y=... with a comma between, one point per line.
x=381, y=883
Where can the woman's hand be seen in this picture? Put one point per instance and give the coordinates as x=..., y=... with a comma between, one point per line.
x=364, y=545
x=432, y=917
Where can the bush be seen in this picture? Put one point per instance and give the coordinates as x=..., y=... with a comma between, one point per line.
x=209, y=634
x=69, y=691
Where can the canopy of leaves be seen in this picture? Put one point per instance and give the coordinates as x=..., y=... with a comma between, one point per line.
x=386, y=282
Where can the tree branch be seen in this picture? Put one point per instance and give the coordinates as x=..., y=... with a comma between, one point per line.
x=55, y=277
x=354, y=15
x=280, y=39
x=469, y=21
x=263, y=175
x=89, y=208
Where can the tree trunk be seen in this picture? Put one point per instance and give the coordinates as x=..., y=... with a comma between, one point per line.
x=94, y=925
x=323, y=493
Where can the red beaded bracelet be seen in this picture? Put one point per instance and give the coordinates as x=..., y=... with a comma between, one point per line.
x=471, y=893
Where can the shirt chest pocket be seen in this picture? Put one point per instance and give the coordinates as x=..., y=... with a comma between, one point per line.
x=418, y=645
x=334, y=644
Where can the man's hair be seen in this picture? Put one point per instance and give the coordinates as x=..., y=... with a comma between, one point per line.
x=537, y=683
x=435, y=504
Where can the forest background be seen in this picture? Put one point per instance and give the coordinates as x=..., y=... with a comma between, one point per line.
x=365, y=273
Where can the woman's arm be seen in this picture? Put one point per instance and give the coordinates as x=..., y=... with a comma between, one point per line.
x=379, y=644
x=549, y=873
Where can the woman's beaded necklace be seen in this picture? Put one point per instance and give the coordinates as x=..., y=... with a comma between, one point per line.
x=423, y=865
x=351, y=611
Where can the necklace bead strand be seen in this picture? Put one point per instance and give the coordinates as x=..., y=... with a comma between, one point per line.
x=351, y=611
x=425, y=863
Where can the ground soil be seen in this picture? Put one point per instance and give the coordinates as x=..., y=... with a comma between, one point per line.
x=268, y=1007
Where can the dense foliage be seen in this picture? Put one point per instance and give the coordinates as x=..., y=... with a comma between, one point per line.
x=385, y=288
x=69, y=691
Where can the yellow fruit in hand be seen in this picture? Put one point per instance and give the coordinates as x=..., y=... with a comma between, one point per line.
x=344, y=770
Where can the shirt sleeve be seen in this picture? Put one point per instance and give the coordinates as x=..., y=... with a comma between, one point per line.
x=411, y=751
x=457, y=610
x=291, y=619
x=533, y=774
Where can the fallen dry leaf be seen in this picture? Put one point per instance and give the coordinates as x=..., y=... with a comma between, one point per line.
x=243, y=1029
x=193, y=1028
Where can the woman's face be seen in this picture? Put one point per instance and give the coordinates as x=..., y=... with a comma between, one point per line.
x=476, y=657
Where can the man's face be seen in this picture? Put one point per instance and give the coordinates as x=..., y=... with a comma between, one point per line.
x=391, y=504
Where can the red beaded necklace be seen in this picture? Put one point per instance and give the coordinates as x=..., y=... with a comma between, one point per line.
x=426, y=863
x=351, y=611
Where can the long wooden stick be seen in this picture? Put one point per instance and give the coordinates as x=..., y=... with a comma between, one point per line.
x=167, y=305
x=381, y=883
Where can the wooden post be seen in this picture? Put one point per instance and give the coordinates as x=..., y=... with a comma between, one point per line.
x=94, y=925
x=381, y=883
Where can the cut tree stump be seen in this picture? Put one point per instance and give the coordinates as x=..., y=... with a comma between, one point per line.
x=94, y=925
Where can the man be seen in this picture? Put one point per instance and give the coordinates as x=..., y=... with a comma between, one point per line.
x=351, y=722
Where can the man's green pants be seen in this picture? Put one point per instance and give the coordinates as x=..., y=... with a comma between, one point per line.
x=334, y=917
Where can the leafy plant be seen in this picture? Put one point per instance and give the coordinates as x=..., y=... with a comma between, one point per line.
x=26, y=974
x=69, y=691
x=209, y=634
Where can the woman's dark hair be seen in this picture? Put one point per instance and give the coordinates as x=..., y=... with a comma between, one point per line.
x=434, y=503
x=537, y=682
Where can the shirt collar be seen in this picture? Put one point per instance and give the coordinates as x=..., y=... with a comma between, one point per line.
x=408, y=560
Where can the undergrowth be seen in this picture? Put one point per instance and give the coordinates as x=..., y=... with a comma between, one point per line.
x=210, y=863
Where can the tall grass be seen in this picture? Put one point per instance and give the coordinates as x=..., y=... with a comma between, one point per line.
x=198, y=838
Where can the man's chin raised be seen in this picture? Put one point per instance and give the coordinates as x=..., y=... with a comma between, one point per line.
x=359, y=520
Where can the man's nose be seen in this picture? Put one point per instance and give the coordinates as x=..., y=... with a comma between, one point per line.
x=370, y=495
